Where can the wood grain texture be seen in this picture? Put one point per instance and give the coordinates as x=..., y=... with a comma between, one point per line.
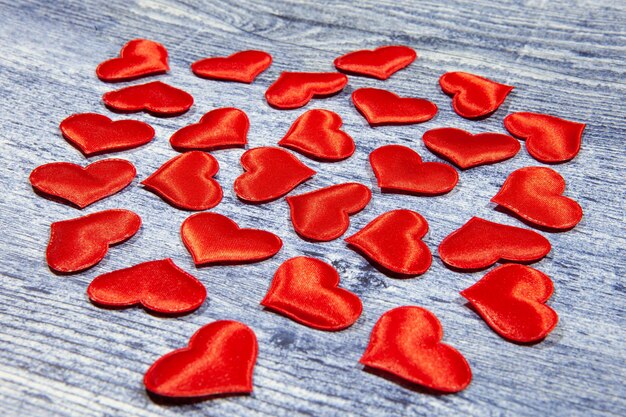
x=63, y=356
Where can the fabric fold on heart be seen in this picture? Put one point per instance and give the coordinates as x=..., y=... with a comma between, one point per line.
x=222, y=128
x=382, y=108
x=156, y=98
x=473, y=97
x=138, y=58
x=295, y=89
x=380, y=63
x=243, y=66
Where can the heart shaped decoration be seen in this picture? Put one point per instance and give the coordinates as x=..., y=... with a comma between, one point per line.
x=138, y=58
x=473, y=97
x=380, y=63
x=295, y=89
x=381, y=107
x=242, y=66
x=218, y=129
x=156, y=98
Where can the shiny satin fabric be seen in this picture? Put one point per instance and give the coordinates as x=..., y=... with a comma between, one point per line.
x=222, y=128
x=295, y=89
x=380, y=63
x=473, y=97
x=381, y=107
x=243, y=66
x=138, y=58
x=156, y=98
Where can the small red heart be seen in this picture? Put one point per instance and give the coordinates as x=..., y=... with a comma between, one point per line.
x=242, y=66
x=317, y=134
x=306, y=290
x=218, y=129
x=138, y=58
x=219, y=359
x=393, y=240
x=159, y=286
x=548, y=138
x=406, y=342
x=270, y=174
x=295, y=89
x=186, y=181
x=473, y=97
x=381, y=107
x=379, y=63
x=156, y=98
x=466, y=150
x=536, y=195
x=323, y=214
x=215, y=239
x=511, y=299
x=80, y=243
x=400, y=169
x=480, y=243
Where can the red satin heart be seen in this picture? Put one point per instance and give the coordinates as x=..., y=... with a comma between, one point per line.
x=406, y=342
x=295, y=89
x=156, y=98
x=473, y=97
x=480, y=243
x=323, y=214
x=215, y=239
x=536, y=195
x=80, y=243
x=186, y=181
x=219, y=359
x=381, y=107
x=138, y=58
x=317, y=134
x=511, y=299
x=242, y=66
x=270, y=174
x=400, y=169
x=159, y=286
x=218, y=129
x=393, y=241
x=379, y=63
x=306, y=290
x=548, y=138
x=466, y=150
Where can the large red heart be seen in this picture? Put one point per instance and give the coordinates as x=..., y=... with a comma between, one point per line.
x=536, y=195
x=83, y=186
x=511, y=299
x=80, y=243
x=382, y=107
x=473, y=97
x=138, y=58
x=219, y=359
x=218, y=129
x=156, y=98
x=406, y=342
x=400, y=169
x=306, y=290
x=380, y=63
x=159, y=286
x=323, y=214
x=242, y=66
x=295, y=89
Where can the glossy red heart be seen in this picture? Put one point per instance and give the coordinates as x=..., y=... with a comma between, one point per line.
x=379, y=63
x=381, y=107
x=219, y=360
x=548, y=138
x=306, y=290
x=138, y=58
x=406, y=342
x=215, y=239
x=317, y=134
x=511, y=299
x=159, y=286
x=480, y=243
x=323, y=214
x=242, y=66
x=473, y=97
x=400, y=169
x=80, y=243
x=156, y=98
x=270, y=174
x=218, y=129
x=186, y=181
x=295, y=89
x=536, y=195
x=82, y=186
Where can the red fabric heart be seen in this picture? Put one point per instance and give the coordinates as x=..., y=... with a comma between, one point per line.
x=186, y=181
x=317, y=135
x=270, y=174
x=473, y=97
x=548, y=138
x=156, y=98
x=466, y=150
x=219, y=359
x=306, y=290
x=406, y=342
x=80, y=243
x=159, y=286
x=215, y=239
x=295, y=89
x=218, y=129
x=400, y=169
x=381, y=107
x=480, y=243
x=393, y=241
x=536, y=195
x=379, y=63
x=138, y=58
x=323, y=214
x=242, y=66
x=511, y=299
